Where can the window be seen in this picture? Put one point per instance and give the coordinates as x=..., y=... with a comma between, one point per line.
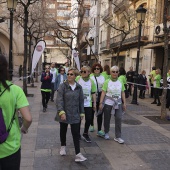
x=50, y=6
x=51, y=15
x=101, y=36
x=49, y=42
x=86, y=13
x=63, y=6
x=63, y=13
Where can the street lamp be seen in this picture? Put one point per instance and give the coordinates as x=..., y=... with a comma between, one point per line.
x=91, y=43
x=11, y=4
x=45, y=59
x=141, y=12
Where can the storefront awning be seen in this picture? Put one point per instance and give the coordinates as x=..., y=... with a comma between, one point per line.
x=122, y=53
x=152, y=46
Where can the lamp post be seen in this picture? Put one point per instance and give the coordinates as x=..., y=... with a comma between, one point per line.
x=45, y=59
x=141, y=12
x=11, y=4
x=91, y=43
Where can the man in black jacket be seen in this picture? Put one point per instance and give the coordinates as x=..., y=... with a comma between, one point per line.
x=129, y=76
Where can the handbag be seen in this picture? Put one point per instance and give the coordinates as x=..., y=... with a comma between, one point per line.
x=98, y=94
x=4, y=133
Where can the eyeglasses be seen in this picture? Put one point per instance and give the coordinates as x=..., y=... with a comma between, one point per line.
x=70, y=74
x=62, y=70
x=97, y=69
x=83, y=72
x=115, y=71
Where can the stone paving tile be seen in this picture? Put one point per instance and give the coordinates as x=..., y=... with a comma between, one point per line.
x=148, y=113
x=167, y=127
x=142, y=135
x=95, y=162
x=158, y=160
x=139, y=107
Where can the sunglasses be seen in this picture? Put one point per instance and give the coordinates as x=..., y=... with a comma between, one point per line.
x=70, y=74
x=83, y=72
x=115, y=71
x=97, y=69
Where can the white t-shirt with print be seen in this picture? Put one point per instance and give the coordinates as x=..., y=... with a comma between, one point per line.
x=86, y=86
x=113, y=89
x=100, y=81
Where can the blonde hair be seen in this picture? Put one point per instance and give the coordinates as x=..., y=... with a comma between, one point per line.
x=159, y=71
x=143, y=71
x=75, y=71
x=87, y=68
x=114, y=68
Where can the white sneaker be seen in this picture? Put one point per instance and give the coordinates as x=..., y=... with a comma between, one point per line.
x=107, y=137
x=63, y=150
x=119, y=140
x=80, y=158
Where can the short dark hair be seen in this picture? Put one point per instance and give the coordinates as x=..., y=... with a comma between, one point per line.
x=98, y=65
x=153, y=68
x=107, y=69
x=59, y=70
x=122, y=71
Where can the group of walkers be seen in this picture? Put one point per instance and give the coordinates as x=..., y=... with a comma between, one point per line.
x=79, y=95
x=92, y=91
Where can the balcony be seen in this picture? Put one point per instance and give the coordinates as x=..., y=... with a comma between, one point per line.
x=104, y=46
x=120, y=6
x=108, y=15
x=131, y=38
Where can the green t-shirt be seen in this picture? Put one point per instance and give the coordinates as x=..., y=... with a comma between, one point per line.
x=157, y=79
x=122, y=79
x=152, y=73
x=9, y=101
x=88, y=87
x=105, y=75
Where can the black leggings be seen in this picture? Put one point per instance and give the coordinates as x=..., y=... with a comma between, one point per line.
x=11, y=162
x=75, y=134
x=45, y=98
x=88, y=119
x=156, y=95
x=99, y=118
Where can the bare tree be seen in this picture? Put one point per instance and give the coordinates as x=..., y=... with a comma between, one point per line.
x=24, y=8
x=165, y=64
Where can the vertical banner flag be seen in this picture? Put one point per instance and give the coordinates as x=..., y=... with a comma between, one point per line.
x=76, y=58
x=38, y=50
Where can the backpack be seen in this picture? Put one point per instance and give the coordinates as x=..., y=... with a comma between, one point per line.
x=3, y=131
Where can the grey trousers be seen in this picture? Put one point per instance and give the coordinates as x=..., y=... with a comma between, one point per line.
x=118, y=119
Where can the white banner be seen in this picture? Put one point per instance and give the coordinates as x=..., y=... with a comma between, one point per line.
x=38, y=50
x=76, y=58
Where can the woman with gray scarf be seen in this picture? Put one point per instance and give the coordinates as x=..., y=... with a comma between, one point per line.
x=113, y=99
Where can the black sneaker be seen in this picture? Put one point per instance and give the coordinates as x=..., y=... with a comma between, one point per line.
x=44, y=109
x=153, y=103
x=86, y=138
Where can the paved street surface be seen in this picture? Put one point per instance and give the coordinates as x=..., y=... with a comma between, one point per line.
x=147, y=144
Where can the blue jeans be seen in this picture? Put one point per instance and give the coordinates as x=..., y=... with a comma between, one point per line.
x=11, y=162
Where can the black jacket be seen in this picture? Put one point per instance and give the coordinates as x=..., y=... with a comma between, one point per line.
x=129, y=76
x=142, y=80
x=46, y=82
